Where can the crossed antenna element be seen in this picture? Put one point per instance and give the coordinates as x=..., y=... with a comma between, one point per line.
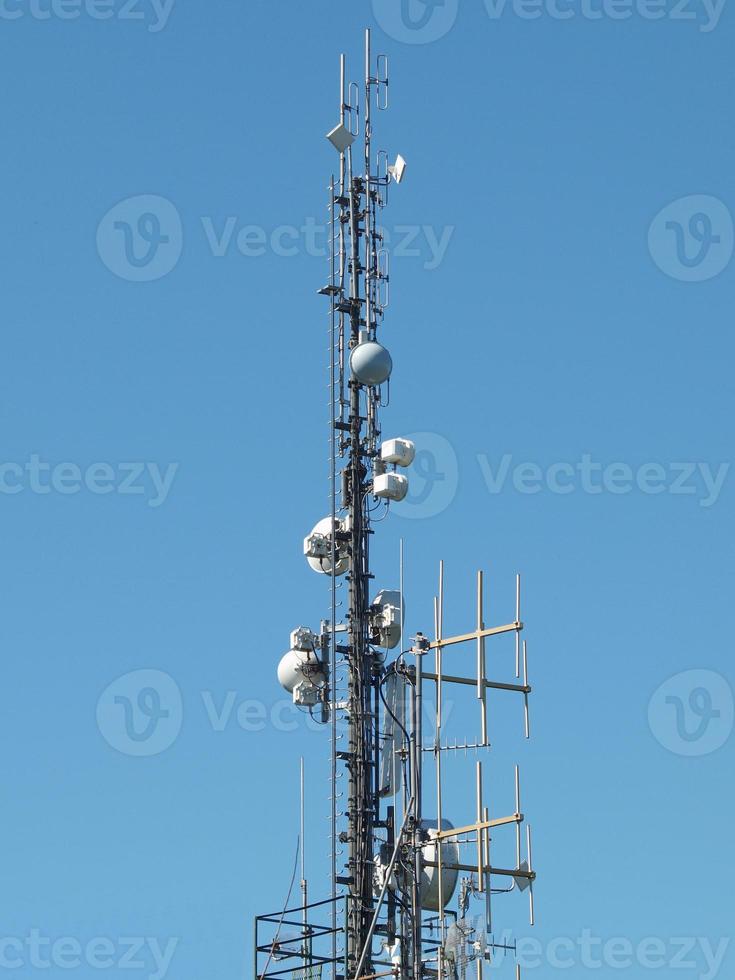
x=411, y=893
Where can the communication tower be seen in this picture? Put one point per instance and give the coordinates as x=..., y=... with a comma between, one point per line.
x=404, y=848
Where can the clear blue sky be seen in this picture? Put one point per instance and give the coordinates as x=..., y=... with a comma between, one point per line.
x=559, y=325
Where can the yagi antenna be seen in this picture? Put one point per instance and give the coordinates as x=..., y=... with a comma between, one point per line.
x=409, y=852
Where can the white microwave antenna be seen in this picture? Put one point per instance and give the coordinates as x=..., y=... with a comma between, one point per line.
x=403, y=848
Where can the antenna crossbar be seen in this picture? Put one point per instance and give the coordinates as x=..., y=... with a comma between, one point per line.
x=475, y=635
x=481, y=825
x=472, y=681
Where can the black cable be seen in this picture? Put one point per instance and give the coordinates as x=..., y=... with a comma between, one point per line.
x=385, y=704
x=283, y=913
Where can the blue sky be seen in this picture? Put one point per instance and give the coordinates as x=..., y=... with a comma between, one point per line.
x=561, y=328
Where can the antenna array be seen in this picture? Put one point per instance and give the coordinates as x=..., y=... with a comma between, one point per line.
x=393, y=884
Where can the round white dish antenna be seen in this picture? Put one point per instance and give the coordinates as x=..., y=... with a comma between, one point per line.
x=371, y=363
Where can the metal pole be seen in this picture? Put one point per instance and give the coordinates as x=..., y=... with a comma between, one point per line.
x=481, y=688
x=368, y=197
x=333, y=562
x=518, y=619
x=361, y=721
x=306, y=945
x=438, y=630
x=417, y=842
x=480, y=865
x=381, y=896
x=518, y=823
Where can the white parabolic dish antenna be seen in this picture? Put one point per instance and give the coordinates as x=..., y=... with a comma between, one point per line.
x=300, y=668
x=430, y=876
x=323, y=562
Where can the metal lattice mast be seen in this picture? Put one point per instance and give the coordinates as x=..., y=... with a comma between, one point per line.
x=361, y=708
